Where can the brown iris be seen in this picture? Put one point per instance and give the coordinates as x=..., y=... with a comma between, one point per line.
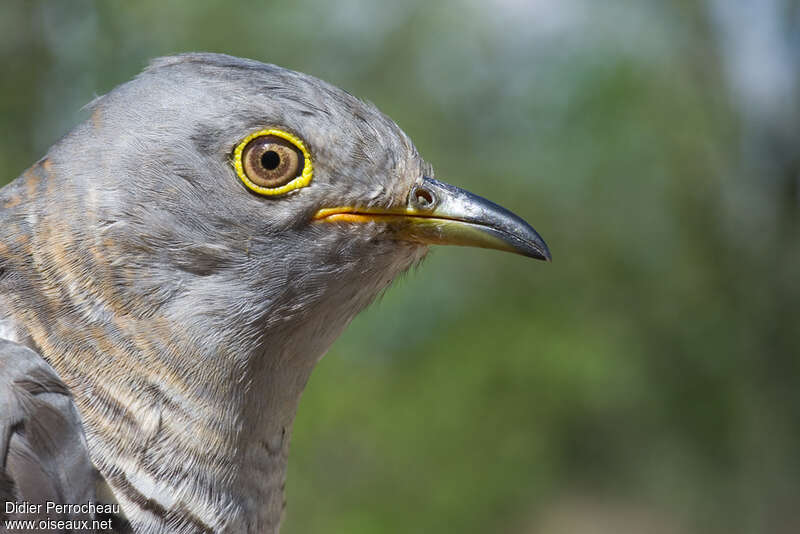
x=270, y=161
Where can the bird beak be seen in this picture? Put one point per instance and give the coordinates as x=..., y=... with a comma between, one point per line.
x=441, y=214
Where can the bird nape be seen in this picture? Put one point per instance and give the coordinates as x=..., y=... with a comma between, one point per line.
x=172, y=270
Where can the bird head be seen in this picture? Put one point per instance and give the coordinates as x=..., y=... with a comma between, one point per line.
x=243, y=192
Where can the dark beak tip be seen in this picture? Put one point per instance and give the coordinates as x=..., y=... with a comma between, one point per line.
x=546, y=253
x=542, y=253
x=534, y=246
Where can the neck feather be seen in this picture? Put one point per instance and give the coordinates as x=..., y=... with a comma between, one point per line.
x=187, y=390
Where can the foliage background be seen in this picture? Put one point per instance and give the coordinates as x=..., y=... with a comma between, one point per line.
x=647, y=380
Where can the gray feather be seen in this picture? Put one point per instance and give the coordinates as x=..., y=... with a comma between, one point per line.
x=42, y=447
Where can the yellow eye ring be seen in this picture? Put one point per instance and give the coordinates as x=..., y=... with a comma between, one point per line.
x=301, y=180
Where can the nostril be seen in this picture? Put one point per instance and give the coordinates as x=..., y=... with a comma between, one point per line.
x=422, y=198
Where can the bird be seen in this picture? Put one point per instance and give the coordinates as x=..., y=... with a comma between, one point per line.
x=171, y=271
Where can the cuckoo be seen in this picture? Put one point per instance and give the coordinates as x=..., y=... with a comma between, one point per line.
x=171, y=271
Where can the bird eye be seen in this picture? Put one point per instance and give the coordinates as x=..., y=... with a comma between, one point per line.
x=272, y=162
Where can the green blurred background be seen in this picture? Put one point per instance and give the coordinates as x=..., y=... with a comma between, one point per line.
x=645, y=381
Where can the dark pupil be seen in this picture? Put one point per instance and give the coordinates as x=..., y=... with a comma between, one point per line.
x=270, y=160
